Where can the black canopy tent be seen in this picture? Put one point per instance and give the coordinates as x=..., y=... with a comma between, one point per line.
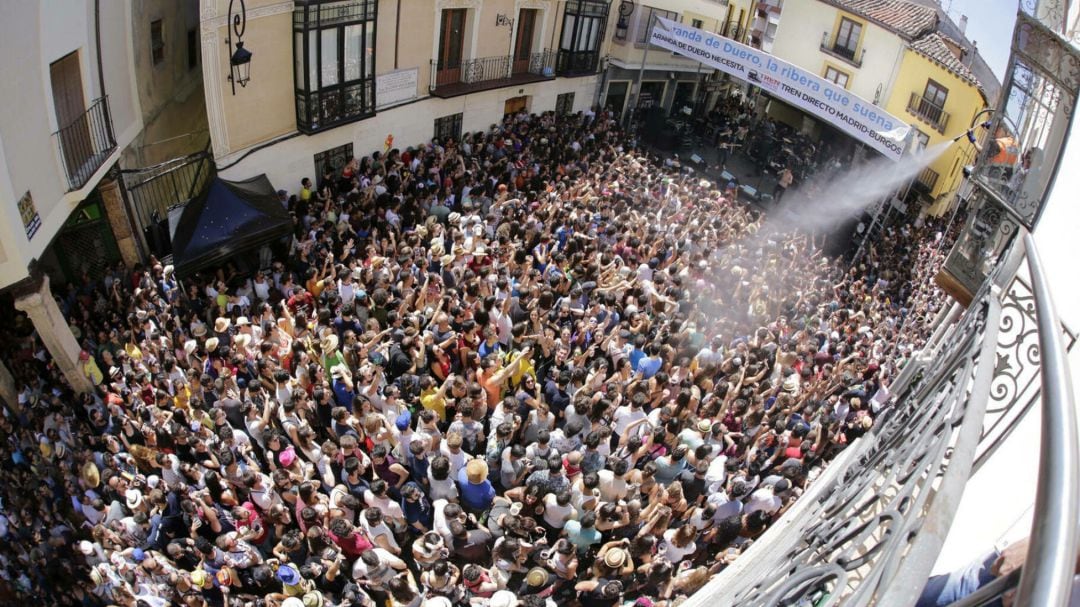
x=230, y=217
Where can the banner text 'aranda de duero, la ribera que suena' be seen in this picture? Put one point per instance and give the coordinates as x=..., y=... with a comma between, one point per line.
x=850, y=113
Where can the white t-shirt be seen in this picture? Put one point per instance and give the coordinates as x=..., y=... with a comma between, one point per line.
x=554, y=514
x=763, y=499
x=624, y=416
x=673, y=553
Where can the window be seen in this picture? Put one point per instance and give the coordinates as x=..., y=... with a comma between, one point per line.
x=333, y=62
x=335, y=158
x=922, y=141
x=157, y=42
x=584, y=22
x=192, y=48
x=847, y=38
x=698, y=23
x=564, y=104
x=448, y=127
x=650, y=15
x=836, y=76
x=936, y=94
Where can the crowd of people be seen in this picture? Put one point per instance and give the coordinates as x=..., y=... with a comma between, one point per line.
x=530, y=367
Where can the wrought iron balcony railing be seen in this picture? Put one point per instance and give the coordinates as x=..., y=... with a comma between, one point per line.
x=577, y=63
x=929, y=112
x=86, y=143
x=449, y=79
x=835, y=49
x=926, y=181
x=870, y=527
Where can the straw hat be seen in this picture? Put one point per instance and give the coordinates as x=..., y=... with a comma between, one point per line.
x=481, y=251
x=212, y=344
x=190, y=346
x=454, y=217
x=242, y=340
x=329, y=343
x=615, y=558
x=503, y=598
x=242, y=321
x=221, y=325
x=198, y=329
x=476, y=471
x=90, y=475
x=200, y=578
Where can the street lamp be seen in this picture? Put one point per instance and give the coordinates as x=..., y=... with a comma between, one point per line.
x=240, y=60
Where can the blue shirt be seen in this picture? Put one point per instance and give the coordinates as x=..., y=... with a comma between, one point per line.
x=475, y=496
x=649, y=366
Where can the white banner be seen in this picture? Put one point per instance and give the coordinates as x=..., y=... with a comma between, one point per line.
x=832, y=103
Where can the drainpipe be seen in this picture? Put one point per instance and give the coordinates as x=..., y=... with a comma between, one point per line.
x=397, y=33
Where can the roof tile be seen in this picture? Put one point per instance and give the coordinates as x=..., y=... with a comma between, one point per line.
x=934, y=46
x=906, y=18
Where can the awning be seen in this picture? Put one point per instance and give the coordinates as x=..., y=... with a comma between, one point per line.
x=229, y=218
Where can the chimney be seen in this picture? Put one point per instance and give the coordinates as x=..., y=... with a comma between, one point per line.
x=963, y=25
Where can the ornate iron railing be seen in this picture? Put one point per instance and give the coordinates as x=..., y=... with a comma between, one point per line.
x=86, y=143
x=491, y=70
x=840, y=51
x=926, y=180
x=577, y=63
x=929, y=112
x=871, y=526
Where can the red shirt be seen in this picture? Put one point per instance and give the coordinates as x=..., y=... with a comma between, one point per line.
x=352, y=546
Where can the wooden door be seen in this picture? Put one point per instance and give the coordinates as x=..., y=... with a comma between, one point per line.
x=70, y=105
x=515, y=104
x=451, y=45
x=523, y=47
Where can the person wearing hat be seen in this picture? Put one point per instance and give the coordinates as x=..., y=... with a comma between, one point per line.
x=477, y=492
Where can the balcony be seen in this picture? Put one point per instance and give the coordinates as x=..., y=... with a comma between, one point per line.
x=842, y=52
x=474, y=75
x=577, y=63
x=929, y=112
x=925, y=181
x=86, y=143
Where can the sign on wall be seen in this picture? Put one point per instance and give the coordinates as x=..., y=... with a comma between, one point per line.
x=832, y=103
x=394, y=87
x=30, y=217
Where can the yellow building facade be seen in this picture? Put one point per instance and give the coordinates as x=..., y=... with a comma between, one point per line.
x=939, y=96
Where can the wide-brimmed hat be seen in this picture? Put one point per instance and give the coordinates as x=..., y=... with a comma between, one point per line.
x=133, y=498
x=221, y=325
x=198, y=329
x=537, y=577
x=615, y=558
x=90, y=475
x=453, y=217
x=242, y=340
x=189, y=347
x=212, y=345
x=242, y=321
x=503, y=598
x=288, y=575
x=329, y=343
x=200, y=578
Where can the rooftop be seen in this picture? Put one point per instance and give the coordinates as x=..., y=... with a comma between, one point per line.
x=935, y=46
x=908, y=19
